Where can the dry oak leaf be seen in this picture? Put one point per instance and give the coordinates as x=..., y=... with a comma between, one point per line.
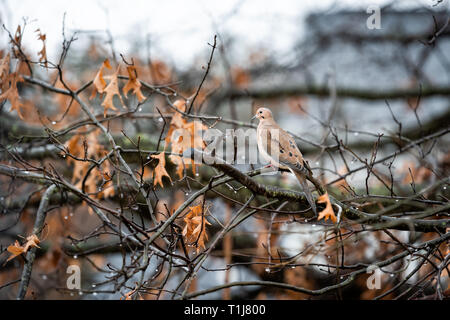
x=18, y=35
x=111, y=90
x=160, y=170
x=16, y=249
x=32, y=241
x=179, y=163
x=99, y=81
x=195, y=129
x=17, y=43
x=188, y=227
x=175, y=136
x=12, y=94
x=179, y=145
x=328, y=212
x=189, y=136
x=4, y=67
x=88, y=147
x=177, y=120
x=195, y=226
x=43, y=53
x=74, y=146
x=133, y=84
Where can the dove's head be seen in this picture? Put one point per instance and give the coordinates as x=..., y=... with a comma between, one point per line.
x=263, y=114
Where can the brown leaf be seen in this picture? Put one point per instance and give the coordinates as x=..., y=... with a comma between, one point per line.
x=328, y=212
x=160, y=170
x=183, y=135
x=133, y=84
x=43, y=53
x=195, y=227
x=176, y=122
x=80, y=147
x=32, y=241
x=12, y=94
x=99, y=82
x=17, y=42
x=178, y=161
x=4, y=67
x=16, y=250
x=111, y=90
x=18, y=35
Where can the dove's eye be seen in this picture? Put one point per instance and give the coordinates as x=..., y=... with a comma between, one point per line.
x=260, y=112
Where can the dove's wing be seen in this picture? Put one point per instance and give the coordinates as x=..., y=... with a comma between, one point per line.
x=289, y=155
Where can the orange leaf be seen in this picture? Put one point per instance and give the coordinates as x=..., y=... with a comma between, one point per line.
x=178, y=161
x=160, y=170
x=94, y=150
x=195, y=226
x=133, y=84
x=32, y=241
x=111, y=90
x=328, y=212
x=194, y=128
x=183, y=135
x=15, y=250
x=4, y=66
x=99, y=81
x=43, y=53
x=176, y=122
x=12, y=94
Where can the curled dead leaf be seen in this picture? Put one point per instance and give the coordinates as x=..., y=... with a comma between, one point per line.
x=43, y=53
x=111, y=90
x=99, y=81
x=160, y=170
x=12, y=93
x=133, y=84
x=328, y=212
x=16, y=249
x=195, y=227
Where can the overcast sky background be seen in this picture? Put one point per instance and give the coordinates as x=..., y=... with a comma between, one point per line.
x=179, y=29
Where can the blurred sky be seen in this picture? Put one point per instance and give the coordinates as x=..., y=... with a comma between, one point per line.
x=179, y=30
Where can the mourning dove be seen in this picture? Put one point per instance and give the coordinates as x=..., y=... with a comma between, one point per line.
x=279, y=148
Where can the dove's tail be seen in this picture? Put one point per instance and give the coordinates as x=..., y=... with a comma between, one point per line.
x=301, y=179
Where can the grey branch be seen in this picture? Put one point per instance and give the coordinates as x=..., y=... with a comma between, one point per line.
x=31, y=254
